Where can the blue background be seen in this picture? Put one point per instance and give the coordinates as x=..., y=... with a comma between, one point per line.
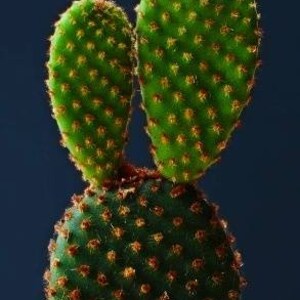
x=256, y=184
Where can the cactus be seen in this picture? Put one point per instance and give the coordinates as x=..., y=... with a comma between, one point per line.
x=143, y=238
x=196, y=65
x=136, y=233
x=90, y=84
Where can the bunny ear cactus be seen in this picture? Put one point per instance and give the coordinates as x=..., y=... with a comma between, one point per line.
x=134, y=234
x=196, y=65
x=90, y=84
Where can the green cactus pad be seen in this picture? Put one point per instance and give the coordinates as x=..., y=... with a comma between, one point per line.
x=197, y=61
x=90, y=85
x=143, y=238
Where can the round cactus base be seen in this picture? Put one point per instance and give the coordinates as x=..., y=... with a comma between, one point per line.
x=142, y=237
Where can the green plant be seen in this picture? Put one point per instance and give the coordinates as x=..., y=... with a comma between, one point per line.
x=143, y=238
x=90, y=85
x=135, y=234
x=196, y=62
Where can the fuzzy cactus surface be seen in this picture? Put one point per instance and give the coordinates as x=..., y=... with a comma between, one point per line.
x=143, y=237
x=139, y=233
x=196, y=66
x=90, y=85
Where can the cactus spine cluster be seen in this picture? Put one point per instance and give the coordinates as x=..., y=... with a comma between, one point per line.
x=136, y=233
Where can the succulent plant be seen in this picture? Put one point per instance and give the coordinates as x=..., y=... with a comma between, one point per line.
x=144, y=237
x=90, y=84
x=196, y=65
x=137, y=233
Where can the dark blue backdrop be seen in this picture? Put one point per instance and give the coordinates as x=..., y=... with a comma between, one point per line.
x=256, y=183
